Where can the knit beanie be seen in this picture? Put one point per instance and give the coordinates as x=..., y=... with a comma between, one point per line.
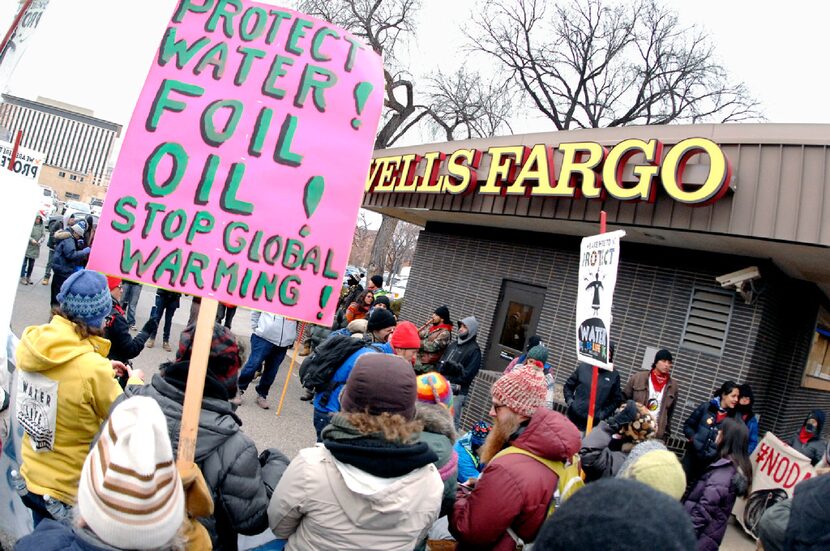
x=380, y=383
x=662, y=354
x=382, y=299
x=225, y=356
x=652, y=464
x=377, y=280
x=381, y=319
x=631, y=517
x=405, y=336
x=538, y=353
x=479, y=433
x=444, y=313
x=79, y=227
x=522, y=390
x=535, y=340
x=357, y=326
x=433, y=388
x=85, y=296
x=113, y=282
x=130, y=493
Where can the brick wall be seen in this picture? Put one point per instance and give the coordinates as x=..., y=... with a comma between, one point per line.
x=767, y=343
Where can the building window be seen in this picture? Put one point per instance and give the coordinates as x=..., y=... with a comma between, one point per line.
x=707, y=321
x=82, y=178
x=72, y=196
x=73, y=177
x=61, y=174
x=817, y=371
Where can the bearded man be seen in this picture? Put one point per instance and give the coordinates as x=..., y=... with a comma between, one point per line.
x=510, y=500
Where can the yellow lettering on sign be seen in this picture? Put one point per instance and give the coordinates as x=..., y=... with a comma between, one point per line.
x=615, y=163
x=386, y=171
x=501, y=168
x=580, y=158
x=537, y=168
x=429, y=182
x=406, y=175
x=717, y=182
x=462, y=177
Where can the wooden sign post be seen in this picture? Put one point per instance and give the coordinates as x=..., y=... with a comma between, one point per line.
x=297, y=344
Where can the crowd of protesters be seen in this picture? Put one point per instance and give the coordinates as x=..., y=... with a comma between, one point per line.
x=391, y=469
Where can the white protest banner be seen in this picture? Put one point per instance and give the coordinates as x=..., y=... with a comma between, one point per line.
x=19, y=40
x=776, y=469
x=27, y=162
x=598, y=259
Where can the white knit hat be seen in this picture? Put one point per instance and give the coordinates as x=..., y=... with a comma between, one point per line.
x=130, y=493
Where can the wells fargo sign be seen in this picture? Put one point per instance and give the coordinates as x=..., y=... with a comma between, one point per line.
x=588, y=170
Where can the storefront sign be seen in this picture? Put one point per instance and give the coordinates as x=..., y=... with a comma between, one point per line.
x=240, y=176
x=588, y=170
x=776, y=469
x=598, y=260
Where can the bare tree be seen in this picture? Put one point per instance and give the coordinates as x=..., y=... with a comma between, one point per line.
x=587, y=64
x=401, y=248
x=361, y=241
x=463, y=103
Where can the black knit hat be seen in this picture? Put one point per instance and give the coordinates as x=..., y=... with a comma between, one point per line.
x=535, y=340
x=381, y=319
x=444, y=313
x=629, y=513
x=377, y=280
x=382, y=299
x=662, y=355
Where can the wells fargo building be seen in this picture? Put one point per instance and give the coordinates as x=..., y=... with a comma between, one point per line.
x=503, y=218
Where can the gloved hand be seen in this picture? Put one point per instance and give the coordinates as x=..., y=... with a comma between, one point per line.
x=626, y=414
x=85, y=251
x=151, y=326
x=198, y=503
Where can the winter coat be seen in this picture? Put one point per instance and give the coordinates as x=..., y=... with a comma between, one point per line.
x=637, y=389
x=356, y=502
x=515, y=490
x=815, y=446
x=468, y=462
x=710, y=502
x=462, y=359
x=33, y=249
x=51, y=535
x=434, y=340
x=273, y=328
x=701, y=429
x=69, y=386
x=752, y=426
x=124, y=346
x=772, y=528
x=355, y=312
x=809, y=526
x=439, y=435
x=55, y=226
x=601, y=455
x=578, y=394
x=329, y=401
x=69, y=254
x=227, y=456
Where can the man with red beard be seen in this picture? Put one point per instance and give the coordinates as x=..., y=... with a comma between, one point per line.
x=510, y=501
x=656, y=390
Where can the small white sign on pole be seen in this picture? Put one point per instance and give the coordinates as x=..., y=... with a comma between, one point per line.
x=598, y=259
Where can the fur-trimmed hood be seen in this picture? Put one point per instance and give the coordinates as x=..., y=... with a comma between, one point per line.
x=436, y=419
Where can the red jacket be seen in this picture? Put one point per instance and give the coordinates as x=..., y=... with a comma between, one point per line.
x=515, y=490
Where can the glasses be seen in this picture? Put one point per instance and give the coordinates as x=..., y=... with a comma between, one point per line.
x=496, y=407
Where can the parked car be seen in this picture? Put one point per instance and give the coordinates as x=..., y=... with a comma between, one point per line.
x=79, y=209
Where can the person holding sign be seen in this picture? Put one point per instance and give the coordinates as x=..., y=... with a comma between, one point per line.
x=577, y=393
x=227, y=457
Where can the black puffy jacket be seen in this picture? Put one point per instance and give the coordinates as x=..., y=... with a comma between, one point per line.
x=462, y=359
x=578, y=394
x=701, y=428
x=227, y=457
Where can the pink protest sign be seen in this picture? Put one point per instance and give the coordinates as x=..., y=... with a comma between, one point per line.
x=242, y=171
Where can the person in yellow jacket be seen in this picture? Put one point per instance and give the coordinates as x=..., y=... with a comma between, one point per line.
x=65, y=388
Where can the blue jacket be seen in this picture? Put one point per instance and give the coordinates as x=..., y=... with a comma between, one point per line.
x=68, y=255
x=331, y=398
x=468, y=463
x=752, y=425
x=51, y=535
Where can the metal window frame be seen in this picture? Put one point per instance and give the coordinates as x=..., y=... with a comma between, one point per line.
x=697, y=348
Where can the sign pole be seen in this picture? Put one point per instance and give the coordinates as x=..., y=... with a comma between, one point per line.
x=15, y=23
x=196, y=382
x=297, y=344
x=15, y=149
x=595, y=371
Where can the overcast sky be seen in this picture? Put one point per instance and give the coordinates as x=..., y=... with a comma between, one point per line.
x=96, y=53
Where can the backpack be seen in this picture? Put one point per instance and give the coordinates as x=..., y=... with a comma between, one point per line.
x=568, y=482
x=318, y=369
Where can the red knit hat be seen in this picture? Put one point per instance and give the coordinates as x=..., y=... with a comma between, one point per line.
x=113, y=282
x=405, y=336
x=523, y=390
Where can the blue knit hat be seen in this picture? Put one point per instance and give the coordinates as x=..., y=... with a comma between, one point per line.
x=86, y=297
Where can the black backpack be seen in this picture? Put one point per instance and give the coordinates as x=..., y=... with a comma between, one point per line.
x=317, y=370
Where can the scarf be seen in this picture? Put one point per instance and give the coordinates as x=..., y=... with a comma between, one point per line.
x=658, y=380
x=373, y=454
x=804, y=436
x=439, y=326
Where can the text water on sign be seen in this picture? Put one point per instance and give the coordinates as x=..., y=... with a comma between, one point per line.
x=241, y=173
